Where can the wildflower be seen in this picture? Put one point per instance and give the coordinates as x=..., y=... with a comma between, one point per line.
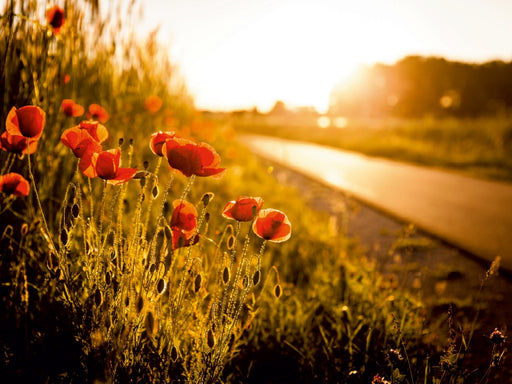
x=497, y=337
x=80, y=141
x=183, y=224
x=184, y=215
x=97, y=131
x=97, y=112
x=158, y=140
x=71, y=109
x=272, y=225
x=27, y=121
x=153, y=103
x=17, y=144
x=66, y=79
x=55, y=18
x=105, y=165
x=191, y=158
x=14, y=184
x=243, y=209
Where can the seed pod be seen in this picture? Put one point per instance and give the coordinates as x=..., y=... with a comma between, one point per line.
x=151, y=326
x=155, y=191
x=64, y=236
x=98, y=297
x=225, y=275
x=160, y=286
x=174, y=354
x=197, y=283
x=168, y=261
x=256, y=277
x=230, y=242
x=24, y=229
x=207, y=197
x=277, y=291
x=75, y=210
x=166, y=208
x=140, y=304
x=210, y=339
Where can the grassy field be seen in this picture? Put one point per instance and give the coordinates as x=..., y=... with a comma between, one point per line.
x=479, y=147
x=102, y=279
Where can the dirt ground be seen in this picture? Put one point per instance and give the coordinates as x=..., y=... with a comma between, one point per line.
x=441, y=274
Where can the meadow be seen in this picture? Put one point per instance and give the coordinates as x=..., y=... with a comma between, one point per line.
x=480, y=146
x=141, y=243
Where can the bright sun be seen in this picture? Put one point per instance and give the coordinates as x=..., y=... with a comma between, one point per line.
x=294, y=52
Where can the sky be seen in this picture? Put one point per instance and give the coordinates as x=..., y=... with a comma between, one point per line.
x=241, y=54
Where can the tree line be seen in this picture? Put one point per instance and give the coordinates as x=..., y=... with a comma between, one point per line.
x=418, y=86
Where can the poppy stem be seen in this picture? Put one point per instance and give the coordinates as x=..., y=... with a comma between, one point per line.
x=36, y=194
x=188, y=187
x=8, y=164
x=102, y=212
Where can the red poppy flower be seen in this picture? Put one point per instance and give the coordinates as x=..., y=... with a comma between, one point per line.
x=191, y=158
x=14, y=184
x=97, y=131
x=55, y=18
x=184, y=224
x=153, y=103
x=80, y=141
x=106, y=166
x=182, y=238
x=97, y=112
x=72, y=109
x=243, y=208
x=158, y=139
x=17, y=144
x=272, y=225
x=184, y=215
x=27, y=121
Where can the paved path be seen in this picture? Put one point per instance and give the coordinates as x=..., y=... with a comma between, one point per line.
x=473, y=214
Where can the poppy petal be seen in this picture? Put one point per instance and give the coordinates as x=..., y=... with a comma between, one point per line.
x=14, y=184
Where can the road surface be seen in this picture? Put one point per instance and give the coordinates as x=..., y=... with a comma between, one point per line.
x=472, y=214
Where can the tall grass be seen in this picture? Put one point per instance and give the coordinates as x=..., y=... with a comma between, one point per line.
x=97, y=284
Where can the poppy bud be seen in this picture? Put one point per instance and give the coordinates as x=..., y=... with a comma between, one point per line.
x=277, y=291
x=160, y=286
x=225, y=275
x=210, y=339
x=98, y=297
x=155, y=191
x=197, y=283
x=256, y=278
x=75, y=210
x=174, y=354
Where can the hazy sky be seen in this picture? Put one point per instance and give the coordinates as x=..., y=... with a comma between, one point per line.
x=245, y=53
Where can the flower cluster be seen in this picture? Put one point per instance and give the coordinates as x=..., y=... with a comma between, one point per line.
x=24, y=127
x=269, y=224
x=85, y=140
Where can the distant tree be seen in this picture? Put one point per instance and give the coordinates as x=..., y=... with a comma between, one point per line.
x=416, y=86
x=279, y=108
